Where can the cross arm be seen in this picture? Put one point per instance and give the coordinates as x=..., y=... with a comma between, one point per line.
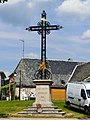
x=34, y=28
x=53, y=27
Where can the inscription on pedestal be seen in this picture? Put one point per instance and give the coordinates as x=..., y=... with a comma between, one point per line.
x=42, y=93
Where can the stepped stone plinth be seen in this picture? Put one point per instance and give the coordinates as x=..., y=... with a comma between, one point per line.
x=46, y=111
x=43, y=105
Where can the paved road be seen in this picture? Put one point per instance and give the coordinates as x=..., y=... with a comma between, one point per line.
x=42, y=119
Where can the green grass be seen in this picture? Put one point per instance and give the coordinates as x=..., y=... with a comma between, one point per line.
x=73, y=113
x=10, y=108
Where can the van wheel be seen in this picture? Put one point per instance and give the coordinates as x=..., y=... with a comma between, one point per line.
x=68, y=105
x=87, y=110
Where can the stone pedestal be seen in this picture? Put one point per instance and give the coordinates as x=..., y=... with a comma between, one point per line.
x=43, y=98
x=43, y=94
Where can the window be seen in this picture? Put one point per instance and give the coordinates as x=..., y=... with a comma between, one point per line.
x=83, y=95
x=88, y=93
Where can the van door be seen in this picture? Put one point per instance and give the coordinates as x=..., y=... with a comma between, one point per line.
x=83, y=97
x=77, y=97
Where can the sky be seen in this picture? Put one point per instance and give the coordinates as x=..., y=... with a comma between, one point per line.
x=73, y=41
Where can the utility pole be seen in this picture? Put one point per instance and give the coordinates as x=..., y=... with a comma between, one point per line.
x=20, y=86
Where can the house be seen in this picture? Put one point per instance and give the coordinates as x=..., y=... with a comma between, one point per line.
x=2, y=83
x=81, y=73
x=61, y=72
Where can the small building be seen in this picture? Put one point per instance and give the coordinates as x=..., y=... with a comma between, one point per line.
x=2, y=83
x=61, y=72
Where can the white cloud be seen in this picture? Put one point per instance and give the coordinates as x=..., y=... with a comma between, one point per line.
x=8, y=35
x=42, y=0
x=36, y=6
x=15, y=13
x=23, y=12
x=30, y=5
x=32, y=56
x=13, y=1
x=79, y=8
x=86, y=35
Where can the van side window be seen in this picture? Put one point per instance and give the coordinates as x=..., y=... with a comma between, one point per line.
x=83, y=95
x=88, y=93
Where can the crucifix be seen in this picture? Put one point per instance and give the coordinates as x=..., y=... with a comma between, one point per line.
x=43, y=28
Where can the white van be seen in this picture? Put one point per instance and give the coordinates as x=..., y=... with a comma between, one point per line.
x=78, y=96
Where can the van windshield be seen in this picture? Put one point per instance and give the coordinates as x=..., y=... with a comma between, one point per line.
x=88, y=93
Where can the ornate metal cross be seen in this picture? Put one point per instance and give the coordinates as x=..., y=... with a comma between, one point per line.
x=43, y=29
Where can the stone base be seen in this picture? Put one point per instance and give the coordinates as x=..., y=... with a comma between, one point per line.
x=43, y=98
x=43, y=93
x=46, y=111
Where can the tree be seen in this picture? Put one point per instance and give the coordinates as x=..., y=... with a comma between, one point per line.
x=2, y=1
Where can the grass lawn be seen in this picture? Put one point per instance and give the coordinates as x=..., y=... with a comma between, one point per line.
x=8, y=108
x=72, y=113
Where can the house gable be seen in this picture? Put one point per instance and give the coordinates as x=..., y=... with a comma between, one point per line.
x=81, y=73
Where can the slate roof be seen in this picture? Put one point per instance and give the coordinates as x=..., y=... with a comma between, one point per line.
x=81, y=73
x=3, y=76
x=61, y=71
